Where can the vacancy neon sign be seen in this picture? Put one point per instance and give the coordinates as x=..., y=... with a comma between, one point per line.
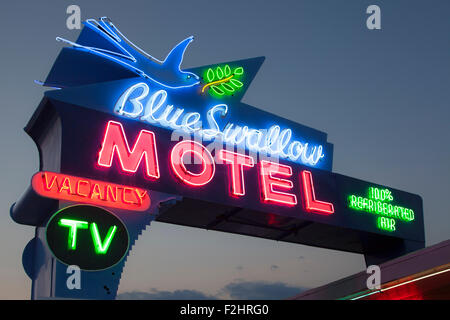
x=64, y=187
x=275, y=179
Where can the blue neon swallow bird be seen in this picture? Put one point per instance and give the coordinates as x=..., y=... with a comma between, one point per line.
x=103, y=39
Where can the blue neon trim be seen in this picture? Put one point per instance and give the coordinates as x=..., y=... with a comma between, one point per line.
x=41, y=83
x=113, y=35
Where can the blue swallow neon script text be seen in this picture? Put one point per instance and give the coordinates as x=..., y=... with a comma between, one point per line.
x=136, y=102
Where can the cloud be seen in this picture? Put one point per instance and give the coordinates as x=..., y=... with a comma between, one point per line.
x=155, y=294
x=260, y=290
x=238, y=289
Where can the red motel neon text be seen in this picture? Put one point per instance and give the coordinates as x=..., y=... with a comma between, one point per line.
x=311, y=203
x=145, y=147
x=268, y=182
x=197, y=150
x=64, y=187
x=237, y=163
x=275, y=178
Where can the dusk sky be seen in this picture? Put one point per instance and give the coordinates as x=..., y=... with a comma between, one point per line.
x=382, y=96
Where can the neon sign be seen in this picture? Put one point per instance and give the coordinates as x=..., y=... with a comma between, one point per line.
x=183, y=148
x=117, y=118
x=136, y=103
x=74, y=226
x=123, y=52
x=378, y=201
x=87, y=236
x=237, y=163
x=156, y=94
x=115, y=142
x=276, y=187
x=101, y=247
x=71, y=188
x=222, y=81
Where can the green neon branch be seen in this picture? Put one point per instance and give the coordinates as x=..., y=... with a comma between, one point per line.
x=221, y=81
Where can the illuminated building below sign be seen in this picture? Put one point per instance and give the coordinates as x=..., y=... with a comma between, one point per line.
x=378, y=201
x=87, y=236
x=64, y=187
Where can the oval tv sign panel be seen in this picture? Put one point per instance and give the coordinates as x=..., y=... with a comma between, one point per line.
x=87, y=236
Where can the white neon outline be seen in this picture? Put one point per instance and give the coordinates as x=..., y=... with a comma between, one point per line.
x=117, y=31
x=107, y=28
x=97, y=50
x=149, y=111
x=102, y=28
x=181, y=162
x=314, y=200
x=281, y=139
x=223, y=108
x=187, y=126
x=400, y=284
x=234, y=155
x=263, y=173
x=116, y=151
x=136, y=102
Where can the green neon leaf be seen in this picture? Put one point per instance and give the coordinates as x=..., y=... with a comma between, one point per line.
x=227, y=87
x=222, y=81
x=210, y=75
x=227, y=71
x=217, y=90
x=219, y=73
x=236, y=83
x=101, y=247
x=238, y=71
